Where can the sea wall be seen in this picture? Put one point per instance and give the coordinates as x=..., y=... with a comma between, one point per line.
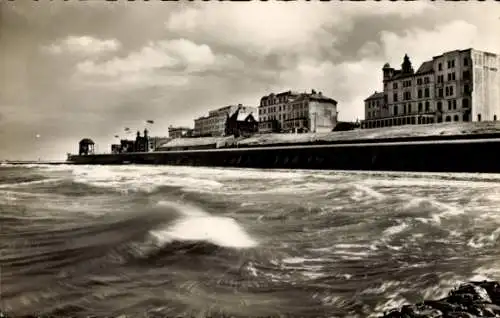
x=473, y=155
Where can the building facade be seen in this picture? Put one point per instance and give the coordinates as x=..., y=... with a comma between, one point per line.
x=292, y=112
x=214, y=125
x=180, y=132
x=241, y=123
x=456, y=86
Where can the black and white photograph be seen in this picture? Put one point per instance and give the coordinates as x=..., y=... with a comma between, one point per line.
x=277, y=159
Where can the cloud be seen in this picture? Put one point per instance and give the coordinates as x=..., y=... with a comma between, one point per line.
x=85, y=45
x=259, y=28
x=161, y=63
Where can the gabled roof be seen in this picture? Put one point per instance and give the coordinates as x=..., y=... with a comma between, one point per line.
x=242, y=116
x=426, y=67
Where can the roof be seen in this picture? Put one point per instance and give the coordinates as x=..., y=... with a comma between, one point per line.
x=399, y=75
x=87, y=141
x=376, y=95
x=242, y=116
x=426, y=67
x=314, y=97
x=198, y=141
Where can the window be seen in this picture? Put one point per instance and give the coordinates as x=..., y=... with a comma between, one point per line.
x=419, y=93
x=440, y=106
x=466, y=61
x=466, y=75
x=420, y=107
x=455, y=118
x=409, y=108
x=454, y=102
x=426, y=80
x=451, y=76
x=395, y=85
x=448, y=118
x=419, y=81
x=449, y=90
x=395, y=110
x=407, y=95
x=395, y=97
x=465, y=103
x=427, y=106
x=449, y=104
x=466, y=89
x=440, y=92
x=427, y=92
x=451, y=63
x=478, y=117
x=440, y=79
x=440, y=66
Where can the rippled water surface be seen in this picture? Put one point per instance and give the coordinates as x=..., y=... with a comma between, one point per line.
x=203, y=242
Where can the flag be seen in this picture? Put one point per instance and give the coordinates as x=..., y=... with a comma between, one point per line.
x=149, y=121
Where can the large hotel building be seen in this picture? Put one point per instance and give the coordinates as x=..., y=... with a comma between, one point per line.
x=457, y=86
x=297, y=112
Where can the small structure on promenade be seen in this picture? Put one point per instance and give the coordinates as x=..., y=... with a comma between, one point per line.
x=86, y=147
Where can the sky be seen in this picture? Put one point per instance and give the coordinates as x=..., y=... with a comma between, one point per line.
x=76, y=69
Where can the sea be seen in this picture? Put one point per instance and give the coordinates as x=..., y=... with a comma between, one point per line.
x=172, y=241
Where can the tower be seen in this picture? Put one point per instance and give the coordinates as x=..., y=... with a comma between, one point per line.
x=406, y=67
x=387, y=71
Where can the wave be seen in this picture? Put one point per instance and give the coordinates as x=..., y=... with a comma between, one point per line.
x=167, y=227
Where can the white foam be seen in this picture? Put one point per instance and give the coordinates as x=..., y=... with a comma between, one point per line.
x=222, y=231
x=19, y=184
x=392, y=230
x=198, y=225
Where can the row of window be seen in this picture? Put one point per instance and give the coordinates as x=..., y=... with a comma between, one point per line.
x=448, y=92
x=408, y=83
x=298, y=114
x=426, y=106
x=374, y=103
x=451, y=63
x=282, y=108
x=407, y=108
x=398, y=122
x=276, y=100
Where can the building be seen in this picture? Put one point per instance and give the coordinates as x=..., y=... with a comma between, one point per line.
x=215, y=123
x=242, y=123
x=180, y=132
x=140, y=144
x=155, y=142
x=297, y=112
x=456, y=86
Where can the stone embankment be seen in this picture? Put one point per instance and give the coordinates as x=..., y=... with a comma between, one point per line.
x=472, y=299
